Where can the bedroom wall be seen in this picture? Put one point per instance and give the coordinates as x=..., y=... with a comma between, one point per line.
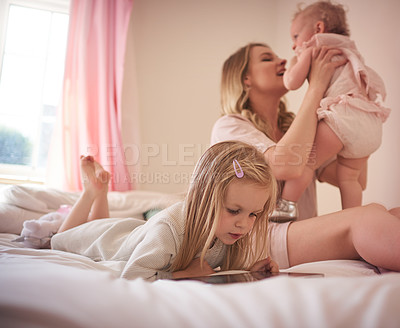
x=171, y=90
x=177, y=49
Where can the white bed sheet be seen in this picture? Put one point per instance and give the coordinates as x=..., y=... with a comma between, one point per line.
x=46, y=288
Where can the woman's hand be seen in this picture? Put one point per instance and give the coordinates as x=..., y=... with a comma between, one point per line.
x=266, y=265
x=323, y=67
x=194, y=270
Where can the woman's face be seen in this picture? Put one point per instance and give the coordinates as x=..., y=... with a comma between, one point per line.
x=244, y=200
x=265, y=72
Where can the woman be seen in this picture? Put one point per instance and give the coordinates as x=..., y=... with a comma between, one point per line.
x=251, y=92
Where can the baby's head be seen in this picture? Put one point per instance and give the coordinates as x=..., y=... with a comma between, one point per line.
x=319, y=17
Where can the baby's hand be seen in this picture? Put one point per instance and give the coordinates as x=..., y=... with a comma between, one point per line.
x=194, y=270
x=266, y=265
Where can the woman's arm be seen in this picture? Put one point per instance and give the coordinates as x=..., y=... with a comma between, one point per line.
x=289, y=157
x=298, y=70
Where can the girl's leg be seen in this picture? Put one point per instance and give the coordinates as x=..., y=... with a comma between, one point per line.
x=377, y=238
x=395, y=211
x=100, y=205
x=90, y=204
x=369, y=232
x=327, y=144
x=348, y=174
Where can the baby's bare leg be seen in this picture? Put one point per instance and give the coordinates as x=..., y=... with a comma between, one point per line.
x=93, y=197
x=327, y=144
x=348, y=175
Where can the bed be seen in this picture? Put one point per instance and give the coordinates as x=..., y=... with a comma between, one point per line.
x=48, y=288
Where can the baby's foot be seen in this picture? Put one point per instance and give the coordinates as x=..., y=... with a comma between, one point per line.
x=94, y=177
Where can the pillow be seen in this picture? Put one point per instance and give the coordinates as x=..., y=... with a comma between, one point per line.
x=19, y=203
x=13, y=217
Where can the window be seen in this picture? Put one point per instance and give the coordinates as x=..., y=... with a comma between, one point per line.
x=33, y=43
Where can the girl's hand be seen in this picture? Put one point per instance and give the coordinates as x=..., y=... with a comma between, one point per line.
x=194, y=270
x=322, y=66
x=266, y=265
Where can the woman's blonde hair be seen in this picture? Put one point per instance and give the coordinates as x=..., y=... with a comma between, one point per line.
x=234, y=93
x=333, y=16
x=212, y=176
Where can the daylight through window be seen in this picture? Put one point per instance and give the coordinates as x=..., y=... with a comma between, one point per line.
x=32, y=69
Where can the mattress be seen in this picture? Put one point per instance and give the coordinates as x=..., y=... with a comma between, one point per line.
x=49, y=288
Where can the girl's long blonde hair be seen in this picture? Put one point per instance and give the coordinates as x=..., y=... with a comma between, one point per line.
x=211, y=178
x=234, y=94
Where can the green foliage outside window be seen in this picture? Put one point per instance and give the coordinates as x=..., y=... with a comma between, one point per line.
x=14, y=147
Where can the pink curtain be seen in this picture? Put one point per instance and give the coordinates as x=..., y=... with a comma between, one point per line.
x=90, y=114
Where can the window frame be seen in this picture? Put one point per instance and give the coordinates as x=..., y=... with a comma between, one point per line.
x=9, y=173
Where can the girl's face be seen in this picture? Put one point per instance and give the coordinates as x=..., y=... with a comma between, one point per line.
x=302, y=29
x=244, y=201
x=265, y=72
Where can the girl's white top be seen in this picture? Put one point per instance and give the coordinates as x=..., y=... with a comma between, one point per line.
x=148, y=248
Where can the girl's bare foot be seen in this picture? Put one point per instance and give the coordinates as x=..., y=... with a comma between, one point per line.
x=94, y=178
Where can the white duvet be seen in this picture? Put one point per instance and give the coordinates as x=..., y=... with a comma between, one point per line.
x=46, y=288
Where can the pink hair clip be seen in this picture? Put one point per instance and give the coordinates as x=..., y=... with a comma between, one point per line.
x=239, y=174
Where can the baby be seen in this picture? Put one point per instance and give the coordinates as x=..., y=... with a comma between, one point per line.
x=350, y=115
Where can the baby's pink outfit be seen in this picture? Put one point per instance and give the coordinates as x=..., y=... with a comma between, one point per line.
x=352, y=104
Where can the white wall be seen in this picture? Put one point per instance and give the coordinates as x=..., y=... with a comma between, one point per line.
x=179, y=47
x=175, y=53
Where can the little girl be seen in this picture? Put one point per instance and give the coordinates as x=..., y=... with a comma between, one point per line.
x=221, y=224
x=350, y=116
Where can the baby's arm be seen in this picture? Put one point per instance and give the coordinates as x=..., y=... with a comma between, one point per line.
x=298, y=70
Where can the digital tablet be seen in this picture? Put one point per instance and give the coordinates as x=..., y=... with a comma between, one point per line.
x=228, y=278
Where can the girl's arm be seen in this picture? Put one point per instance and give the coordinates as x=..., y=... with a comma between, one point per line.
x=289, y=156
x=152, y=256
x=194, y=270
x=298, y=70
x=266, y=265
